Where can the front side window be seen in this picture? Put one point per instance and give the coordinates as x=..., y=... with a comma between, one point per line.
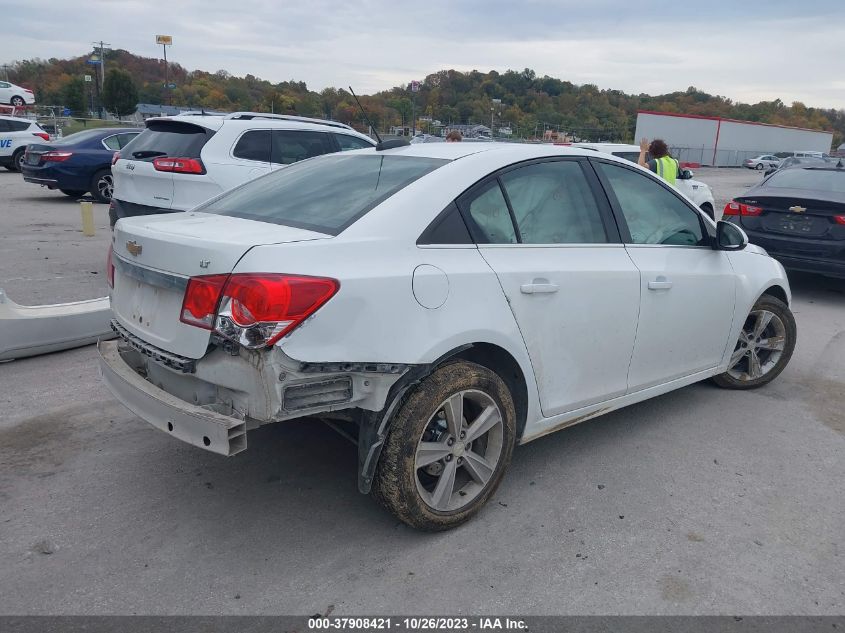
x=490, y=215
x=292, y=146
x=325, y=195
x=552, y=204
x=253, y=145
x=654, y=215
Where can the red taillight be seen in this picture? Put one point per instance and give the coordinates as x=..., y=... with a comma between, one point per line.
x=28, y=90
x=115, y=157
x=256, y=310
x=200, y=303
x=739, y=208
x=179, y=165
x=110, y=267
x=839, y=219
x=55, y=157
x=43, y=135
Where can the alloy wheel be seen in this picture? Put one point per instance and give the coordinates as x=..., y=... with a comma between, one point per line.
x=459, y=450
x=761, y=344
x=105, y=186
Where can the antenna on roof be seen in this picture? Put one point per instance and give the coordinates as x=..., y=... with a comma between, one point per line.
x=382, y=145
x=366, y=118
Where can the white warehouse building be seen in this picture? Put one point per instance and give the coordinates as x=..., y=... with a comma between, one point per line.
x=722, y=142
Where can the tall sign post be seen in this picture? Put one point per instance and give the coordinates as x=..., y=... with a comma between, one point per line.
x=165, y=41
x=415, y=88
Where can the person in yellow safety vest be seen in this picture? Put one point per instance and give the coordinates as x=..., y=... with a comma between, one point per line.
x=661, y=163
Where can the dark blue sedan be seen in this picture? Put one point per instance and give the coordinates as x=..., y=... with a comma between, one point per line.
x=78, y=163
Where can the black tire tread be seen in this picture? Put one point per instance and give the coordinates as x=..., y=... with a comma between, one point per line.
x=773, y=304
x=394, y=483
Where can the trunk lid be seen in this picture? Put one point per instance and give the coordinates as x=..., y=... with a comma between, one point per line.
x=795, y=213
x=157, y=254
x=34, y=152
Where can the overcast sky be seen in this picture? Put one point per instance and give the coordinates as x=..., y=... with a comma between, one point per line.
x=747, y=50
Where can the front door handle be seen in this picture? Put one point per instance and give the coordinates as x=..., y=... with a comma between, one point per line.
x=661, y=283
x=538, y=287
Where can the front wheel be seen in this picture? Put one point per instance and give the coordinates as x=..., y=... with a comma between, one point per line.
x=102, y=186
x=759, y=167
x=448, y=447
x=764, y=348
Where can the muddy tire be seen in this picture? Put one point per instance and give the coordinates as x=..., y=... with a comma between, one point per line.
x=765, y=345
x=448, y=447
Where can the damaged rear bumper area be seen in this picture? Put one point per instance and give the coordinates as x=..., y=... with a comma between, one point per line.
x=212, y=402
x=197, y=425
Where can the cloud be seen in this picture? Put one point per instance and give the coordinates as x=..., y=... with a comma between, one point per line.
x=744, y=51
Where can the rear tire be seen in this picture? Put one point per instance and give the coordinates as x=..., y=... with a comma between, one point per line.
x=435, y=471
x=764, y=348
x=102, y=186
x=17, y=101
x=17, y=160
x=73, y=193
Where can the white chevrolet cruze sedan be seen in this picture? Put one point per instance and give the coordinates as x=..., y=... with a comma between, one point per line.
x=443, y=301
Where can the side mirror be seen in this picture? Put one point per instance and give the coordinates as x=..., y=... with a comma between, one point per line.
x=730, y=237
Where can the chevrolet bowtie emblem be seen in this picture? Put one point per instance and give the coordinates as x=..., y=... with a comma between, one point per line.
x=797, y=209
x=134, y=248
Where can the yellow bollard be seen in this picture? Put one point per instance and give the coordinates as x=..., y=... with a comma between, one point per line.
x=87, y=218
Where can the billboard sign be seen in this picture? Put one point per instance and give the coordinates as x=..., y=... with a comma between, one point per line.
x=164, y=40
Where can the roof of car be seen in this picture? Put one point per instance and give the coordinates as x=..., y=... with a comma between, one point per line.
x=454, y=151
x=252, y=119
x=610, y=147
x=16, y=118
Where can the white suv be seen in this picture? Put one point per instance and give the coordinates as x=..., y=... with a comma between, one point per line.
x=15, y=135
x=179, y=162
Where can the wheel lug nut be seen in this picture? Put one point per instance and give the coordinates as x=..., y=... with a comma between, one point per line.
x=448, y=458
x=463, y=434
x=449, y=442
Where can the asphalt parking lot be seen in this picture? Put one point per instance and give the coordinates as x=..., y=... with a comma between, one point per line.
x=702, y=501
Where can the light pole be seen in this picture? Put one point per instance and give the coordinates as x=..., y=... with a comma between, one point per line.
x=165, y=41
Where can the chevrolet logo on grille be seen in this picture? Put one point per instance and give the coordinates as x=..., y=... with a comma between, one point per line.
x=797, y=209
x=134, y=248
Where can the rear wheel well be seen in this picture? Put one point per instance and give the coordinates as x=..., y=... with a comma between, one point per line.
x=777, y=292
x=502, y=363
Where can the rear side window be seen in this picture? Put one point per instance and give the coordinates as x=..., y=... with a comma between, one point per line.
x=552, y=204
x=168, y=138
x=18, y=126
x=112, y=142
x=325, y=195
x=347, y=142
x=292, y=146
x=253, y=145
x=124, y=139
x=489, y=212
x=4, y=125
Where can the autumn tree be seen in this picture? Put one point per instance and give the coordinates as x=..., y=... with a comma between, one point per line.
x=119, y=92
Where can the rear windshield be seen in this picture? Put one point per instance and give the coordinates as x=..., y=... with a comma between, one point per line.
x=831, y=180
x=326, y=194
x=168, y=138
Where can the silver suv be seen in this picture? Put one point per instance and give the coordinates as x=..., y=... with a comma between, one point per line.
x=179, y=162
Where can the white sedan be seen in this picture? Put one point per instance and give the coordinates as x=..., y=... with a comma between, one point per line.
x=15, y=95
x=766, y=161
x=442, y=302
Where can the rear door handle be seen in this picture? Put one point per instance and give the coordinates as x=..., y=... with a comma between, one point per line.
x=537, y=287
x=661, y=283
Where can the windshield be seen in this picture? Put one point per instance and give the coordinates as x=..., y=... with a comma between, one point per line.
x=326, y=194
x=832, y=180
